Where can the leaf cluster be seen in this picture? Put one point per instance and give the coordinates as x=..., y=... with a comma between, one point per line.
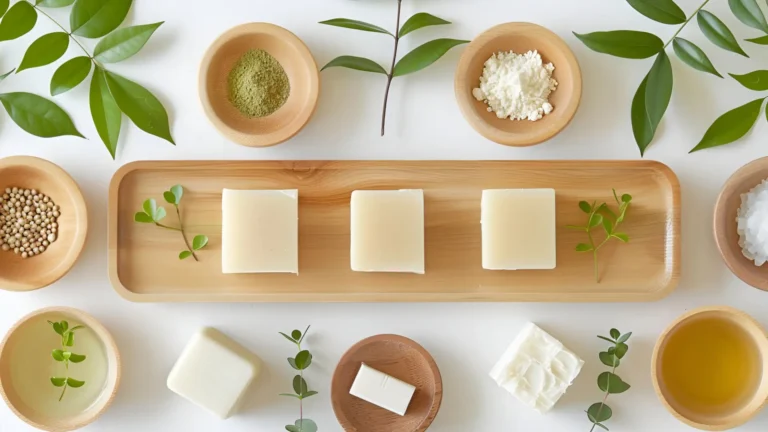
x=655, y=91
x=608, y=382
x=301, y=390
x=111, y=95
x=65, y=355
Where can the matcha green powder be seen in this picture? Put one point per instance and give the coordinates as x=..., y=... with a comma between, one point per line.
x=257, y=84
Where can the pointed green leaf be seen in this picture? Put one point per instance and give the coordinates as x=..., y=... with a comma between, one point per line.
x=288, y=337
x=306, y=425
x=642, y=127
x=356, y=63
x=7, y=74
x=290, y=395
x=425, y=55
x=303, y=359
x=4, y=4
x=58, y=382
x=658, y=91
x=308, y=394
x=142, y=217
x=199, y=242
x=625, y=337
x=69, y=339
x=54, y=3
x=141, y=106
x=599, y=412
x=184, y=254
x=585, y=207
x=123, y=43
x=731, y=126
x=96, y=18
x=762, y=40
x=296, y=334
x=615, y=333
x=757, y=80
x=57, y=355
x=75, y=383
x=299, y=385
x=621, y=236
x=611, y=383
x=355, y=25
x=76, y=358
x=693, y=56
x=45, y=50
x=77, y=327
x=38, y=116
x=583, y=247
x=105, y=113
x=749, y=13
x=70, y=74
x=178, y=193
x=718, y=33
x=621, y=350
x=607, y=225
x=602, y=426
x=419, y=21
x=18, y=21
x=663, y=11
x=623, y=43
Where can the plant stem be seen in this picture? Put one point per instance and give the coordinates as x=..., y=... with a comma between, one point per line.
x=167, y=227
x=62, y=392
x=682, y=26
x=65, y=31
x=391, y=74
x=301, y=401
x=605, y=398
x=184, y=234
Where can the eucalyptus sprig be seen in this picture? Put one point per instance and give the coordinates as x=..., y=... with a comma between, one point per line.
x=301, y=390
x=64, y=355
x=152, y=214
x=609, y=382
x=416, y=60
x=653, y=96
x=111, y=95
x=602, y=215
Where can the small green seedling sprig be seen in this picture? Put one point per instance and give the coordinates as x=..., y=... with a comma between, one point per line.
x=64, y=355
x=610, y=221
x=153, y=214
x=609, y=382
x=301, y=390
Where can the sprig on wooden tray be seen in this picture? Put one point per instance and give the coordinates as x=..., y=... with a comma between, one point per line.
x=602, y=215
x=301, y=390
x=153, y=214
x=64, y=355
x=609, y=382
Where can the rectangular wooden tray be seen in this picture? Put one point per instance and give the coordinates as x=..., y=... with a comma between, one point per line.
x=143, y=263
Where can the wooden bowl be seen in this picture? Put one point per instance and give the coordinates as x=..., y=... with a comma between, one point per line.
x=299, y=65
x=23, y=345
x=17, y=274
x=707, y=419
x=520, y=38
x=400, y=358
x=726, y=237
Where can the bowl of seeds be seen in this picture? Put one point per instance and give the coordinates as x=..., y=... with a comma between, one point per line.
x=43, y=223
x=259, y=84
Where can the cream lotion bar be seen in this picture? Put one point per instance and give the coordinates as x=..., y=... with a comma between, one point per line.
x=382, y=390
x=260, y=231
x=518, y=229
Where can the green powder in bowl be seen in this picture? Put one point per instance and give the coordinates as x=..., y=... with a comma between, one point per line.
x=257, y=84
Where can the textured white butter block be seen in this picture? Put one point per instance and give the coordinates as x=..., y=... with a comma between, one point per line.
x=214, y=372
x=382, y=390
x=387, y=230
x=518, y=229
x=537, y=369
x=260, y=231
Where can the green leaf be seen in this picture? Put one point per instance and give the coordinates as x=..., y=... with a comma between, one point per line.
x=76, y=358
x=169, y=198
x=623, y=43
x=583, y=247
x=124, y=43
x=731, y=126
x=38, y=116
x=292, y=362
x=693, y=56
x=141, y=106
x=749, y=13
x=288, y=337
x=621, y=350
x=757, y=80
x=611, y=383
x=626, y=198
x=658, y=91
x=425, y=55
x=292, y=428
x=609, y=359
x=45, y=50
x=178, y=193
x=58, y=355
x=585, y=207
x=308, y=394
x=105, y=113
x=70, y=339
x=303, y=359
x=18, y=21
x=64, y=325
x=718, y=33
x=607, y=339
x=142, y=217
x=615, y=333
x=75, y=383
x=77, y=327
x=66, y=355
x=356, y=63
x=419, y=21
x=4, y=7
x=70, y=74
x=58, y=382
x=185, y=254
x=595, y=220
x=642, y=127
x=625, y=337
x=762, y=40
x=290, y=395
x=299, y=385
x=7, y=74
x=58, y=329
x=306, y=425
x=355, y=25
x=96, y=18
x=602, y=426
x=663, y=11
x=621, y=236
x=54, y=3
x=607, y=225
x=150, y=207
x=159, y=214
x=599, y=412
x=199, y=242
x=296, y=334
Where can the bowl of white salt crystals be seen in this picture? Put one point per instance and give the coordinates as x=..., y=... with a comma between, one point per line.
x=741, y=223
x=518, y=84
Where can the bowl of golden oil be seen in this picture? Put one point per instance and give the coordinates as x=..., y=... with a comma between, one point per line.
x=710, y=368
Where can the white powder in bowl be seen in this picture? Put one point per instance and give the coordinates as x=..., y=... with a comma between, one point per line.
x=752, y=223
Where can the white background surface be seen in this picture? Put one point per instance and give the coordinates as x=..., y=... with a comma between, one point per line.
x=425, y=123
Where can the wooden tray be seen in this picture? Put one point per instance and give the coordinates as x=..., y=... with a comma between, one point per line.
x=143, y=263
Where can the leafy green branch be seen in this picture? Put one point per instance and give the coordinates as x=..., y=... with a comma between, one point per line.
x=609, y=382
x=301, y=390
x=416, y=60
x=64, y=355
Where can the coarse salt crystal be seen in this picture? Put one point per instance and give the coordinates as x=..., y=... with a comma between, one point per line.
x=752, y=223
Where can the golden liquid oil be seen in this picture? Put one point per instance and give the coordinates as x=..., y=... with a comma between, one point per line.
x=710, y=366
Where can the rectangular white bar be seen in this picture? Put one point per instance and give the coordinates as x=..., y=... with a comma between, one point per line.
x=382, y=390
x=518, y=229
x=260, y=231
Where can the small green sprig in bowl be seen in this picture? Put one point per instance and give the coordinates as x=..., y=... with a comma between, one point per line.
x=301, y=389
x=608, y=382
x=66, y=356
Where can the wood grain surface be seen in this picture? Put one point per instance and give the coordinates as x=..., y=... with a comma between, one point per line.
x=143, y=263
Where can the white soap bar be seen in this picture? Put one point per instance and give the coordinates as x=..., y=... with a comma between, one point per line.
x=518, y=229
x=214, y=372
x=260, y=231
x=537, y=369
x=387, y=230
x=382, y=390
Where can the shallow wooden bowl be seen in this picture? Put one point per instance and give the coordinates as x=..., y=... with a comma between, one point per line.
x=400, y=358
x=17, y=339
x=520, y=38
x=299, y=65
x=17, y=274
x=698, y=418
x=726, y=237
